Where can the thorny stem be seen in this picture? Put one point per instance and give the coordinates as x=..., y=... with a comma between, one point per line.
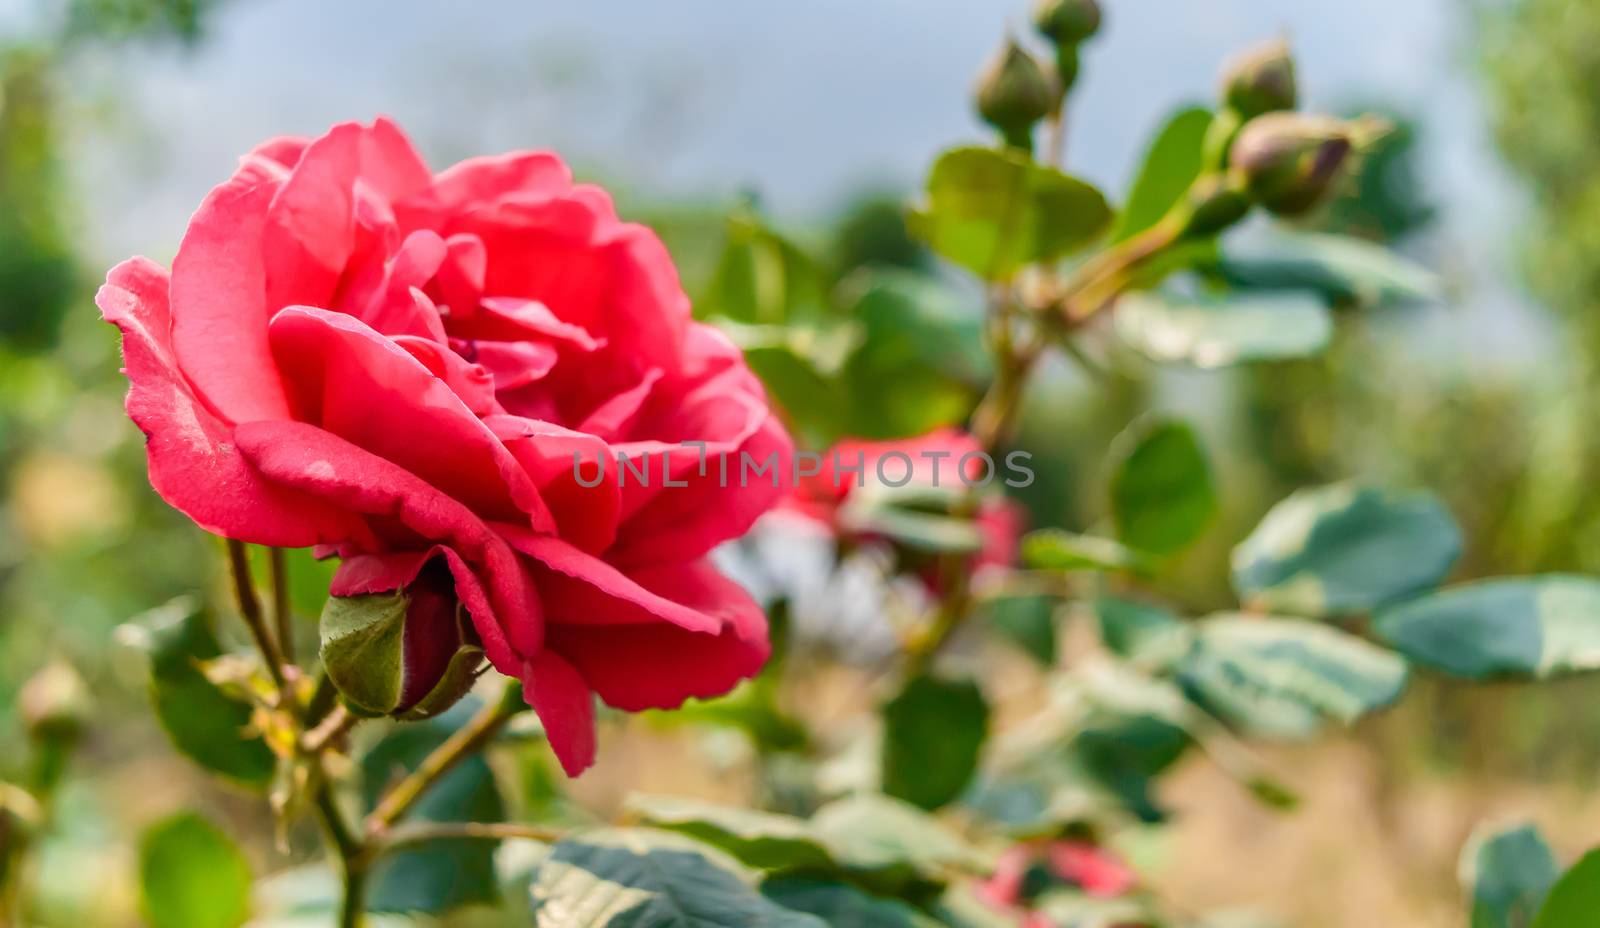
x=282, y=611
x=323, y=721
x=465, y=741
x=351, y=850
x=244, y=591
x=1091, y=287
x=420, y=832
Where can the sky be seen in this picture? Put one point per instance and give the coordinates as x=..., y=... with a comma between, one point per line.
x=802, y=103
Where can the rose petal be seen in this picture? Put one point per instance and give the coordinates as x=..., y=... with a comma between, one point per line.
x=659, y=665
x=219, y=302
x=363, y=387
x=575, y=473
x=193, y=462
x=565, y=705
x=409, y=514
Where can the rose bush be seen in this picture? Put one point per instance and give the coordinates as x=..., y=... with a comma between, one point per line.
x=942, y=470
x=401, y=367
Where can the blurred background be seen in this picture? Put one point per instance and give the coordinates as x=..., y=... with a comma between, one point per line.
x=116, y=117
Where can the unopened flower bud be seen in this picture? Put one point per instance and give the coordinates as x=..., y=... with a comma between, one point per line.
x=1260, y=80
x=1290, y=162
x=1014, y=93
x=1067, y=22
x=54, y=703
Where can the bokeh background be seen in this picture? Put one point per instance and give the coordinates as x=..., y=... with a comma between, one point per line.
x=116, y=116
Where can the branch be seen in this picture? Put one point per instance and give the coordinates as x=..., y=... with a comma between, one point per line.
x=462, y=743
x=244, y=591
x=419, y=832
x=282, y=611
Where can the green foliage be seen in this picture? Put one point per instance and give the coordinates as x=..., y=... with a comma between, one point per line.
x=1162, y=496
x=1056, y=549
x=636, y=878
x=1028, y=620
x=1344, y=271
x=1529, y=627
x=992, y=212
x=841, y=905
x=892, y=847
x=446, y=873
x=920, y=364
x=1507, y=873
x=1282, y=677
x=1171, y=164
x=760, y=839
x=1345, y=548
x=38, y=267
x=213, y=728
x=1575, y=898
x=1148, y=636
x=1221, y=331
x=933, y=731
x=192, y=876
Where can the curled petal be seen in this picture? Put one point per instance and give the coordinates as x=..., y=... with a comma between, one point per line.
x=565, y=705
x=194, y=464
x=408, y=514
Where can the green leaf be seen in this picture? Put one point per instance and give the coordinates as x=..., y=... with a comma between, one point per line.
x=841, y=905
x=933, y=732
x=1123, y=753
x=191, y=875
x=1508, y=873
x=1341, y=269
x=1282, y=677
x=1029, y=621
x=920, y=363
x=1148, y=636
x=762, y=277
x=1343, y=548
x=637, y=878
x=801, y=366
x=760, y=839
x=1540, y=627
x=443, y=874
x=1056, y=549
x=749, y=708
x=1220, y=331
x=1161, y=493
x=209, y=726
x=915, y=516
x=992, y=212
x=1170, y=166
x=1575, y=898
x=891, y=846
x=308, y=577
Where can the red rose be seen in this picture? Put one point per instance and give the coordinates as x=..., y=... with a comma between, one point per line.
x=945, y=459
x=353, y=352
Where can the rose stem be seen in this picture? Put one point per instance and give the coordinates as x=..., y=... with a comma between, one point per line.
x=250, y=608
x=466, y=740
x=282, y=611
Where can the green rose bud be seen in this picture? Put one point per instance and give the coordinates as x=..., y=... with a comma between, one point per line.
x=1014, y=93
x=54, y=703
x=410, y=653
x=1290, y=162
x=1260, y=80
x=1066, y=22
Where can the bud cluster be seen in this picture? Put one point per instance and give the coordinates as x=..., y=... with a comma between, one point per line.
x=1015, y=92
x=1260, y=151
